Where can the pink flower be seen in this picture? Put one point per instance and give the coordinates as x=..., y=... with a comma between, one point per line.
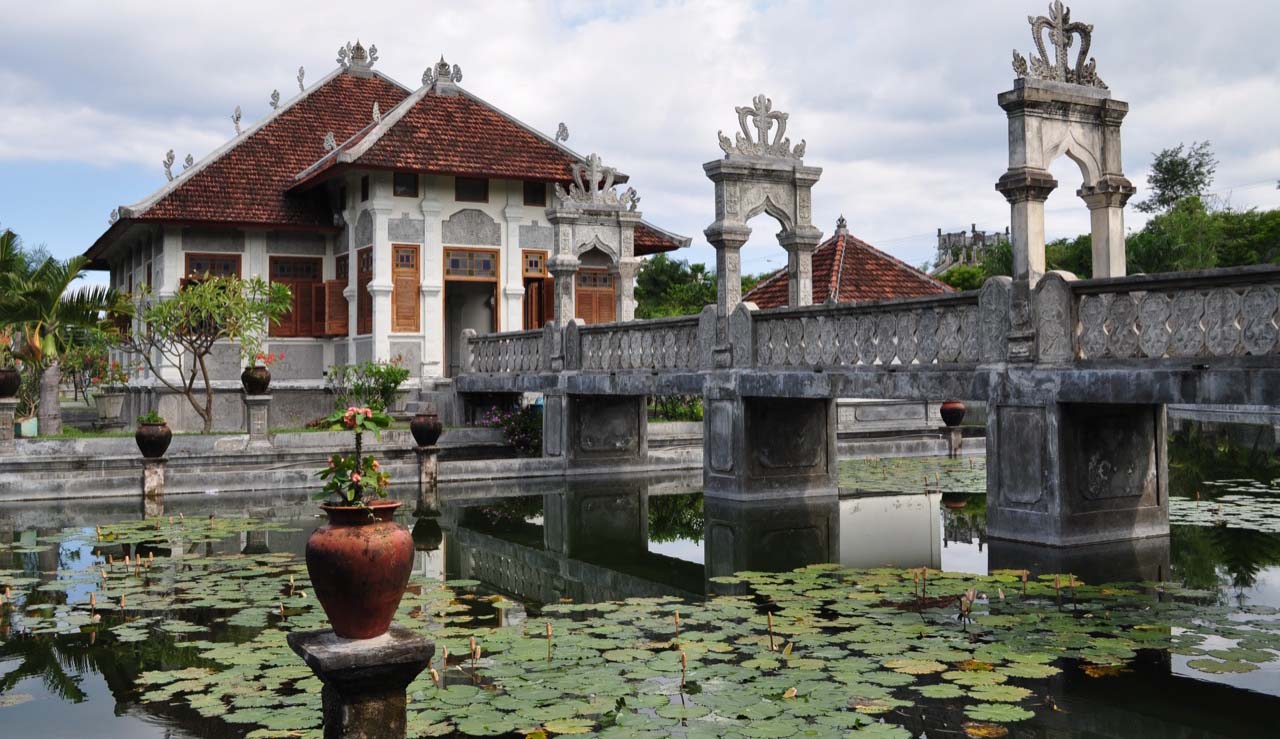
x=375, y=465
x=332, y=464
x=355, y=477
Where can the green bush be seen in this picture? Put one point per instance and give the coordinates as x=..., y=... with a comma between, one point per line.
x=522, y=427
x=675, y=408
x=368, y=384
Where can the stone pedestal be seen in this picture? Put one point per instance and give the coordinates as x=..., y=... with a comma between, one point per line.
x=153, y=478
x=1065, y=474
x=364, y=679
x=428, y=474
x=8, y=410
x=595, y=429
x=954, y=437
x=256, y=409
x=767, y=447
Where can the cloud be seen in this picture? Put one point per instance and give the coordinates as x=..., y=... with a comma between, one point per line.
x=896, y=101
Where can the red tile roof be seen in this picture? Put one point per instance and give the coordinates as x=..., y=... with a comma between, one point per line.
x=855, y=271
x=652, y=240
x=449, y=131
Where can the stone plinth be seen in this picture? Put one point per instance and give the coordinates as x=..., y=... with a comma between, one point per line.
x=256, y=409
x=153, y=478
x=428, y=475
x=8, y=410
x=955, y=437
x=364, y=679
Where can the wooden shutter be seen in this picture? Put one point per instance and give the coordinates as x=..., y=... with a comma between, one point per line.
x=548, y=300
x=303, y=307
x=606, y=308
x=335, y=308
x=406, y=301
x=288, y=324
x=586, y=306
x=364, y=301
x=318, y=307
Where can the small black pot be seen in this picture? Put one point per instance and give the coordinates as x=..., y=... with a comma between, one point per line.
x=10, y=382
x=153, y=439
x=255, y=380
x=952, y=412
x=426, y=428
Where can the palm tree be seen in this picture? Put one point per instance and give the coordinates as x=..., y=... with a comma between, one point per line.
x=37, y=301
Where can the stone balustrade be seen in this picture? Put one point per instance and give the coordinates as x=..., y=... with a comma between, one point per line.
x=1200, y=315
x=922, y=331
x=511, y=351
x=658, y=344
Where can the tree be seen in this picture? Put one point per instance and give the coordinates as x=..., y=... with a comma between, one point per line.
x=1179, y=173
x=175, y=336
x=1184, y=238
x=50, y=318
x=964, y=277
x=668, y=287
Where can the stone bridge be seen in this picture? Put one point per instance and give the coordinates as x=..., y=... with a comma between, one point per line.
x=1075, y=372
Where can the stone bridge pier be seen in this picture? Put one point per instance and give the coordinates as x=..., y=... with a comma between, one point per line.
x=595, y=430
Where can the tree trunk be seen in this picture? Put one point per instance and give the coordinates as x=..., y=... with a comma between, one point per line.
x=50, y=413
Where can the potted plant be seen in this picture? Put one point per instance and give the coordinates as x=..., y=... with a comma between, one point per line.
x=426, y=427
x=153, y=435
x=256, y=377
x=952, y=412
x=110, y=380
x=10, y=375
x=359, y=562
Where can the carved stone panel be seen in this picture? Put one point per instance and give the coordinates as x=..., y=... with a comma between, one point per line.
x=364, y=229
x=785, y=436
x=536, y=237
x=720, y=439
x=1184, y=321
x=1110, y=452
x=405, y=229
x=1021, y=454
x=1260, y=333
x=993, y=320
x=606, y=427
x=1053, y=320
x=471, y=227
x=1222, y=335
x=1153, y=319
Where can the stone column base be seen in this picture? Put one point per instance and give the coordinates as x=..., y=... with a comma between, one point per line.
x=8, y=411
x=428, y=475
x=364, y=679
x=256, y=409
x=153, y=478
x=1065, y=474
x=955, y=437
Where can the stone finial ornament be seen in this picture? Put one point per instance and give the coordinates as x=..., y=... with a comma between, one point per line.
x=842, y=226
x=562, y=132
x=443, y=72
x=456, y=76
x=168, y=164
x=186, y=163
x=235, y=118
x=302, y=75
x=354, y=57
x=377, y=112
x=593, y=186
x=275, y=99
x=329, y=143
x=428, y=77
x=763, y=118
x=114, y=216
x=1062, y=32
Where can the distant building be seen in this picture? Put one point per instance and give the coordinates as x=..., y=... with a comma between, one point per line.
x=849, y=270
x=965, y=247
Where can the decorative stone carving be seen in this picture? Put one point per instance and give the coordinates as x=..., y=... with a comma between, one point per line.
x=1153, y=320
x=186, y=163
x=168, y=164
x=275, y=100
x=329, y=142
x=993, y=309
x=1260, y=334
x=1184, y=321
x=562, y=132
x=405, y=229
x=442, y=73
x=1122, y=319
x=235, y=119
x=1093, y=334
x=302, y=75
x=592, y=187
x=1221, y=333
x=1062, y=31
x=471, y=227
x=377, y=113
x=354, y=58
x=364, y=229
x=114, y=216
x=763, y=118
x=1053, y=319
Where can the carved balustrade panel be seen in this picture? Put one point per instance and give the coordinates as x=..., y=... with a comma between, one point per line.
x=921, y=331
x=518, y=351
x=1214, y=314
x=670, y=344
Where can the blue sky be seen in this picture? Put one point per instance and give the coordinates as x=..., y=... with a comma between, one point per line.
x=896, y=101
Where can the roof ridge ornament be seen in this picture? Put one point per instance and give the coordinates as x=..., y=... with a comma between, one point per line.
x=186, y=163
x=302, y=75
x=763, y=118
x=842, y=226
x=442, y=72
x=1062, y=32
x=562, y=132
x=592, y=186
x=329, y=142
x=235, y=118
x=354, y=58
x=275, y=99
x=168, y=164
x=377, y=112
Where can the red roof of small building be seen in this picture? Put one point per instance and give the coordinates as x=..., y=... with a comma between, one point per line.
x=854, y=271
x=649, y=239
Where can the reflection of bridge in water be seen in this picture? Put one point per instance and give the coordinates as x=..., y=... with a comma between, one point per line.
x=1075, y=373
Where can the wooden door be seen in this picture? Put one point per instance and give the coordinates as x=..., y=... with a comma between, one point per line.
x=406, y=297
x=364, y=301
x=596, y=296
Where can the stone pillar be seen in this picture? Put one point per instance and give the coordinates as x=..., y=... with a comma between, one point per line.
x=364, y=679
x=628, y=269
x=1026, y=190
x=594, y=430
x=432, y=287
x=428, y=475
x=728, y=241
x=554, y=411
x=1062, y=474
x=8, y=412
x=1106, y=200
x=153, y=478
x=380, y=286
x=955, y=438
x=564, y=268
x=800, y=246
x=766, y=447
x=256, y=413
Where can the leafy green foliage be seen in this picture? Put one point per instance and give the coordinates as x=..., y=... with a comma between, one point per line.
x=1179, y=173
x=351, y=478
x=964, y=277
x=369, y=384
x=675, y=408
x=668, y=287
x=521, y=427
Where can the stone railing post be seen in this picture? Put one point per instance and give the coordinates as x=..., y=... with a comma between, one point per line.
x=800, y=245
x=465, y=356
x=727, y=238
x=706, y=338
x=571, y=343
x=256, y=409
x=1052, y=306
x=428, y=477
x=8, y=410
x=993, y=320
x=552, y=347
x=742, y=335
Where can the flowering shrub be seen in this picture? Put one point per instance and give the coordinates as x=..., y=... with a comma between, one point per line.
x=109, y=373
x=374, y=384
x=522, y=428
x=6, y=349
x=350, y=478
x=266, y=359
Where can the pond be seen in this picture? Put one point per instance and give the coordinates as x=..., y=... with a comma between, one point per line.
x=633, y=608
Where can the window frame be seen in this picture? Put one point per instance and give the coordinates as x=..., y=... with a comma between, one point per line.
x=364, y=188
x=457, y=194
x=399, y=180
x=539, y=203
x=188, y=255
x=497, y=264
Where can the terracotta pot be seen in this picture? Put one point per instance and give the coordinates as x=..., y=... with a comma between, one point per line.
x=359, y=565
x=10, y=382
x=255, y=380
x=426, y=428
x=954, y=501
x=153, y=439
x=952, y=412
